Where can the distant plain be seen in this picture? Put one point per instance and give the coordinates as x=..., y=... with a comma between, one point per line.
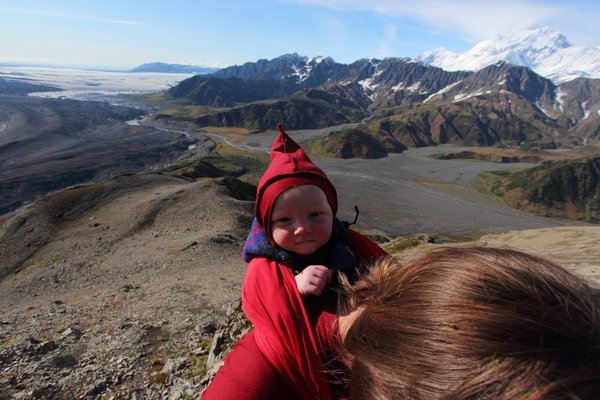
x=49, y=140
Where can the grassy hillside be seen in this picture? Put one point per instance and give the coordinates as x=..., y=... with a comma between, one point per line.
x=569, y=189
x=351, y=143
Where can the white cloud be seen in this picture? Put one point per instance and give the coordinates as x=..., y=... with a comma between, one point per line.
x=474, y=20
x=78, y=17
x=482, y=20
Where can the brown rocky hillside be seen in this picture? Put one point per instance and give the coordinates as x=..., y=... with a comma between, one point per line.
x=129, y=288
x=117, y=288
x=574, y=247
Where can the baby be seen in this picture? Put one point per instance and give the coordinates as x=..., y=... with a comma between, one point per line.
x=294, y=251
x=295, y=222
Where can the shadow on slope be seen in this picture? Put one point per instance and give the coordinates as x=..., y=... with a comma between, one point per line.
x=22, y=234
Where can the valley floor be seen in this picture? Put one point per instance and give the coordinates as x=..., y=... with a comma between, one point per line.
x=413, y=193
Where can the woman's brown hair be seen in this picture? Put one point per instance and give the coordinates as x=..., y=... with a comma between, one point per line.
x=473, y=323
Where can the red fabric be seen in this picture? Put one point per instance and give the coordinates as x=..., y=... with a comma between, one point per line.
x=247, y=374
x=282, y=329
x=291, y=334
x=289, y=167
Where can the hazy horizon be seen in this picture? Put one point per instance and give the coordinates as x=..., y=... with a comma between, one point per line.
x=123, y=35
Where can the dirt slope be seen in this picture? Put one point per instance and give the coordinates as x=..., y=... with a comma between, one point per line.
x=142, y=268
x=575, y=247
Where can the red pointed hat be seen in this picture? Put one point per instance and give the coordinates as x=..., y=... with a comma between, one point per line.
x=289, y=167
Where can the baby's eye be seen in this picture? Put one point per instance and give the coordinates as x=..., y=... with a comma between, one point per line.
x=316, y=214
x=282, y=220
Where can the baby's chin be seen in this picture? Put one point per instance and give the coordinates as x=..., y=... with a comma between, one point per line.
x=305, y=249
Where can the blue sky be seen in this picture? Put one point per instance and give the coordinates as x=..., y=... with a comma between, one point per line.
x=127, y=33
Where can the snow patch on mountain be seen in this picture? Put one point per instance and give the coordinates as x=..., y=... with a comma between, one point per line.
x=465, y=96
x=542, y=109
x=586, y=111
x=545, y=51
x=560, y=99
x=398, y=87
x=443, y=90
x=414, y=87
x=369, y=87
x=303, y=71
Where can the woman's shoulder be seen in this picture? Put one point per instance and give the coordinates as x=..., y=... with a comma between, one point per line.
x=246, y=374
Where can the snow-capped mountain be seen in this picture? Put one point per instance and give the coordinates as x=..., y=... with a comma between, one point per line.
x=545, y=51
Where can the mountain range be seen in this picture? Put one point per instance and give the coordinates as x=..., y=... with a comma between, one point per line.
x=545, y=51
x=400, y=101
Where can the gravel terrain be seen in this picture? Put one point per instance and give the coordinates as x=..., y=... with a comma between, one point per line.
x=50, y=144
x=129, y=282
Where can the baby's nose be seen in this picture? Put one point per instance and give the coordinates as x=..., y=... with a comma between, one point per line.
x=302, y=227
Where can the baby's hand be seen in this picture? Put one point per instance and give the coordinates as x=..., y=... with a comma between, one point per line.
x=312, y=280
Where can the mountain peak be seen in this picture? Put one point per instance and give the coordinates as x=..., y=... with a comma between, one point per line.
x=544, y=37
x=291, y=57
x=543, y=50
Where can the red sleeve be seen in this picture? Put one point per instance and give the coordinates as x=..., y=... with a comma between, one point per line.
x=246, y=374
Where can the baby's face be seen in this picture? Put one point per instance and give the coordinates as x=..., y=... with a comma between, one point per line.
x=301, y=220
